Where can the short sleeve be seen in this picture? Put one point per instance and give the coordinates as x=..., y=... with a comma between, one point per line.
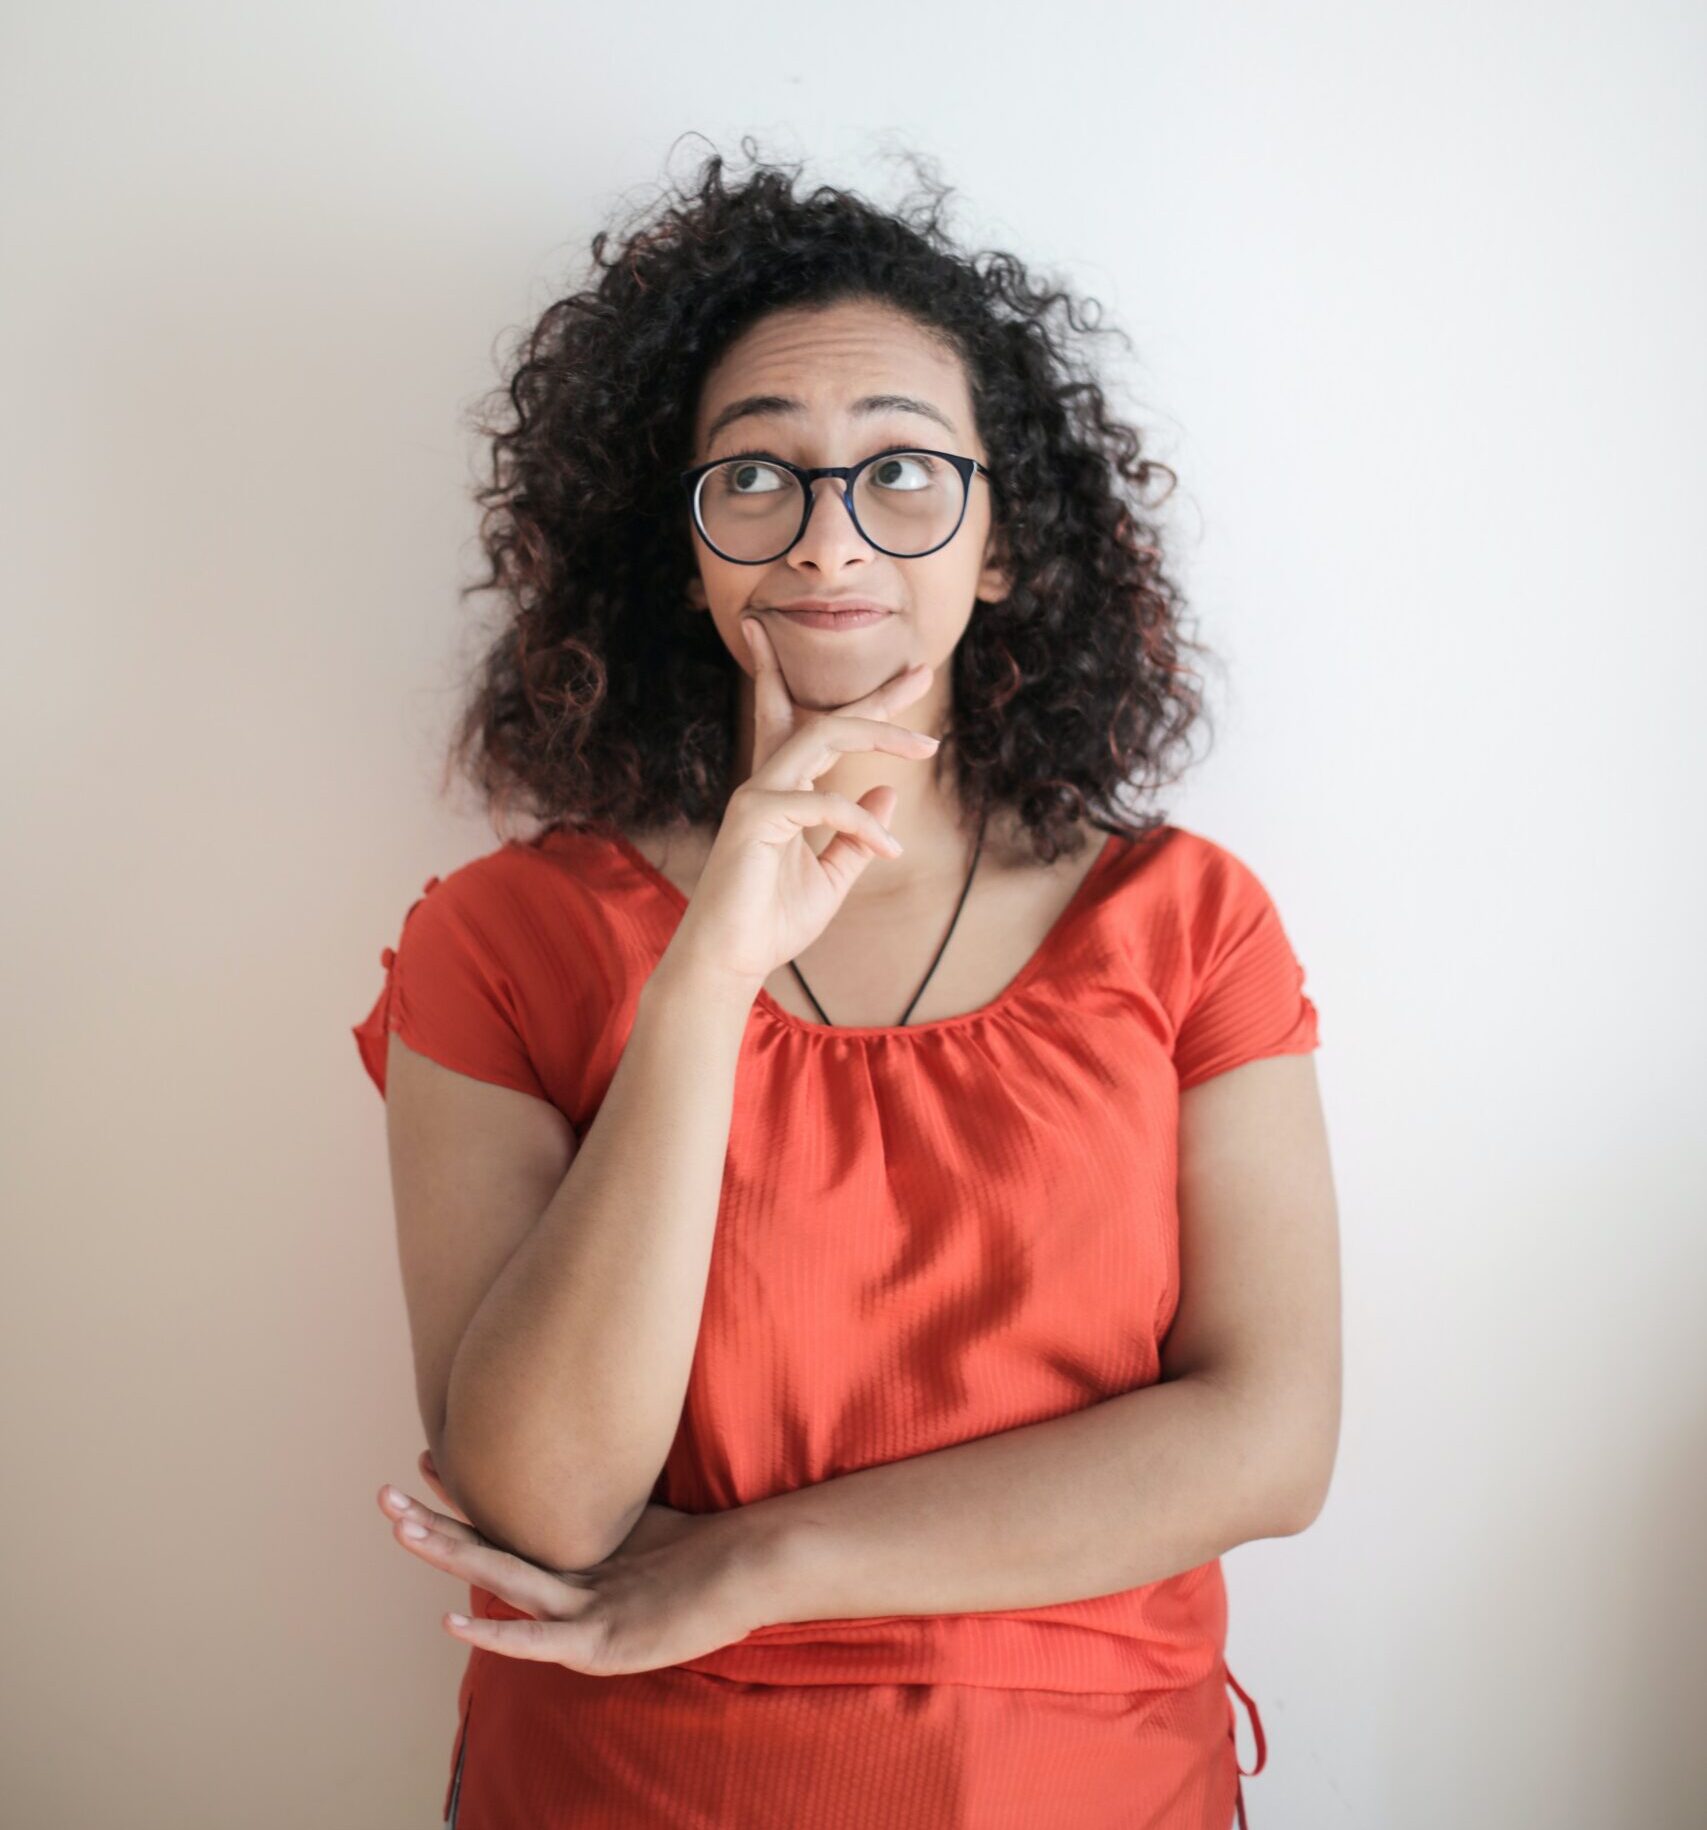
x=1247, y=998
x=448, y=997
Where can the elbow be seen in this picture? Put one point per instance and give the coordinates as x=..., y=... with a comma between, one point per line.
x=1311, y=1432
x=1304, y=1499
x=1299, y=1515
x=1296, y=1459
x=542, y=1522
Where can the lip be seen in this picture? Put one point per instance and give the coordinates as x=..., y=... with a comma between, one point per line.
x=833, y=613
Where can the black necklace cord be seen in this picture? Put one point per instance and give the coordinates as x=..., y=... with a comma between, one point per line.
x=966, y=890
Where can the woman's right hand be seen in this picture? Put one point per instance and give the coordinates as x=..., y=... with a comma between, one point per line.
x=763, y=895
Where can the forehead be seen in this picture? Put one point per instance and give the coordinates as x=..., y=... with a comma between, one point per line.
x=832, y=361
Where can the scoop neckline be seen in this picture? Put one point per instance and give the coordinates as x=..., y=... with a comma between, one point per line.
x=1039, y=956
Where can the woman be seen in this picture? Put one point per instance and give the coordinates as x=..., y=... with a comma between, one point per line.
x=863, y=1200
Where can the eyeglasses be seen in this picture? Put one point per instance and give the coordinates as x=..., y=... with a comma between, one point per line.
x=905, y=501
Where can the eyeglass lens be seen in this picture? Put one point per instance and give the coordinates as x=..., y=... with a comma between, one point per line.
x=907, y=503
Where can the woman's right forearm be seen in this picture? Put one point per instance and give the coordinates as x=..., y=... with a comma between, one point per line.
x=568, y=1384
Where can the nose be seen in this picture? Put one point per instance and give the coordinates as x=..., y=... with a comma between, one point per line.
x=830, y=539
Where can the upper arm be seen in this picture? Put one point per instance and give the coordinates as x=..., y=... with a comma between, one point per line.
x=473, y=1166
x=477, y=1148
x=1259, y=1295
x=1259, y=1303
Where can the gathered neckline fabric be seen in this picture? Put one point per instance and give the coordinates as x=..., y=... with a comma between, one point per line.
x=1040, y=955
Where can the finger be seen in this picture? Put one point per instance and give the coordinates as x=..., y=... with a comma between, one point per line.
x=551, y=1642
x=407, y=1508
x=774, y=711
x=810, y=750
x=522, y=1584
x=782, y=816
x=847, y=854
x=882, y=801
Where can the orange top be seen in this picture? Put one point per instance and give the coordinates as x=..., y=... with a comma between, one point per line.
x=926, y=1234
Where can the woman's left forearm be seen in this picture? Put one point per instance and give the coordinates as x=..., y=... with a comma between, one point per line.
x=1125, y=1492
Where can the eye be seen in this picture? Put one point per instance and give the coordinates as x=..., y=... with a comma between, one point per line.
x=748, y=477
x=904, y=471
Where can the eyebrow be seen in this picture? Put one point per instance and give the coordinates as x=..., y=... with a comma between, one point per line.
x=758, y=404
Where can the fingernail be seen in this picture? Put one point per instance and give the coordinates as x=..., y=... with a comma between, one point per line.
x=396, y=1498
x=414, y=1529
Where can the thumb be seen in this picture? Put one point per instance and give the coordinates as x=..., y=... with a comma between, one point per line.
x=881, y=800
x=845, y=857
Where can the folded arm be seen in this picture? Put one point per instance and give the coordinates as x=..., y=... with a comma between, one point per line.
x=1236, y=1441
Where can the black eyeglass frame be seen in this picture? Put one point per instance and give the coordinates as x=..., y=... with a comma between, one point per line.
x=847, y=475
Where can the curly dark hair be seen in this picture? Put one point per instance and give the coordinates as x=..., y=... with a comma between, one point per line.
x=599, y=703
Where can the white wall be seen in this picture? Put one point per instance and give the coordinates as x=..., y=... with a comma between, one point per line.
x=1418, y=297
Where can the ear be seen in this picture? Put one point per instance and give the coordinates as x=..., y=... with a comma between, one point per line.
x=995, y=579
x=696, y=593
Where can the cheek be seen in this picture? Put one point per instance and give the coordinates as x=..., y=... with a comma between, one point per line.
x=728, y=587
x=942, y=589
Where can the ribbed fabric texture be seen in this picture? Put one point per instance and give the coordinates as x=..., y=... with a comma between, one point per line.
x=549, y=1746
x=926, y=1234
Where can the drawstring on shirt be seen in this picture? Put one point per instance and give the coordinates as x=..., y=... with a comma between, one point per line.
x=1233, y=1731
